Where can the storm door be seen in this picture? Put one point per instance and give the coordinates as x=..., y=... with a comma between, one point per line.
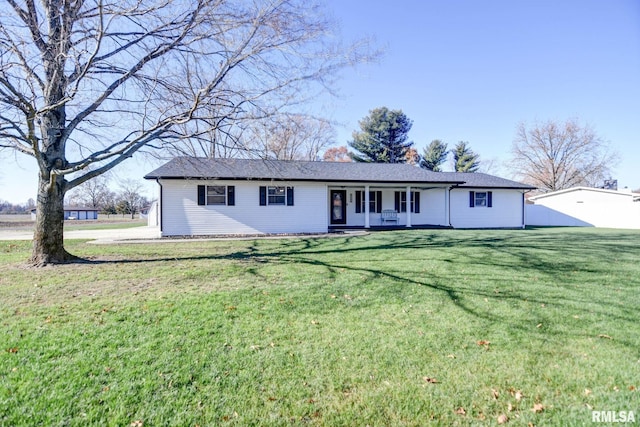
x=338, y=206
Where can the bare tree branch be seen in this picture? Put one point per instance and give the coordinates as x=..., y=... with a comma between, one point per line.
x=554, y=156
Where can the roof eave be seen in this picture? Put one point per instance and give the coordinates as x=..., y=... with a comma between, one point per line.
x=223, y=178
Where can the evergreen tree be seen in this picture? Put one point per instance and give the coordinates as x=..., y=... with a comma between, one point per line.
x=383, y=137
x=464, y=159
x=434, y=155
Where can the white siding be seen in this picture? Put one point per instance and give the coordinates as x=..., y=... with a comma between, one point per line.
x=182, y=216
x=506, y=210
x=585, y=208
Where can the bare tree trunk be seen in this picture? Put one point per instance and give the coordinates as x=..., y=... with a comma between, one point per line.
x=48, y=243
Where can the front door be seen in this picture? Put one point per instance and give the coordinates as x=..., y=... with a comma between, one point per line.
x=338, y=206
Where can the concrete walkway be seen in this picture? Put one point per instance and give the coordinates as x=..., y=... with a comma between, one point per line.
x=102, y=236
x=147, y=234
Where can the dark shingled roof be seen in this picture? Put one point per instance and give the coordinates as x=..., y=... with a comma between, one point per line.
x=254, y=169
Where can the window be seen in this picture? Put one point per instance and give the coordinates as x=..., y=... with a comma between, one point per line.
x=401, y=201
x=480, y=199
x=375, y=201
x=276, y=195
x=216, y=195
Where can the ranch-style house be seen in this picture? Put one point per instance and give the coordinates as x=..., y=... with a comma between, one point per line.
x=207, y=197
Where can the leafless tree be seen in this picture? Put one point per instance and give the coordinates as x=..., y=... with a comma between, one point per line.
x=130, y=195
x=93, y=193
x=290, y=137
x=90, y=83
x=554, y=156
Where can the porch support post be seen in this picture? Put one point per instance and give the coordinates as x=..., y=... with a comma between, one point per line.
x=408, y=199
x=366, y=206
x=447, y=209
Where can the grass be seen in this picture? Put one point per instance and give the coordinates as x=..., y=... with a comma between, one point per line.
x=442, y=327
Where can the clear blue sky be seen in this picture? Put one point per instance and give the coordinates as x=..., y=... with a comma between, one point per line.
x=472, y=70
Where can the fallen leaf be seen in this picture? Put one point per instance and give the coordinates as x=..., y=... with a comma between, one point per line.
x=272, y=399
x=605, y=336
x=587, y=392
x=315, y=322
x=502, y=418
x=510, y=407
x=484, y=342
x=538, y=407
x=12, y=350
x=632, y=388
x=451, y=356
x=137, y=423
x=461, y=411
x=518, y=395
x=495, y=393
x=333, y=296
x=539, y=325
x=231, y=308
x=430, y=380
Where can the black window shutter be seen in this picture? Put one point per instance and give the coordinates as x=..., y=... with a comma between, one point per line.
x=231, y=195
x=202, y=195
x=489, y=199
x=289, y=196
x=358, y=201
x=397, y=201
x=378, y=201
x=472, y=199
x=263, y=196
x=416, y=207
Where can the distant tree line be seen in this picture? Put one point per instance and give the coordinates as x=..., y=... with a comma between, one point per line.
x=549, y=155
x=97, y=194
x=384, y=138
x=7, y=208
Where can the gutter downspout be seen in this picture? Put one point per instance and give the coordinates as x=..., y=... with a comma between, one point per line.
x=160, y=206
x=447, y=201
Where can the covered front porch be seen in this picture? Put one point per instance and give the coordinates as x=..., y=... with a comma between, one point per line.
x=387, y=206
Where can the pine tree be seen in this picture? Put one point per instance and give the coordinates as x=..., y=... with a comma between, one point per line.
x=464, y=159
x=383, y=137
x=434, y=155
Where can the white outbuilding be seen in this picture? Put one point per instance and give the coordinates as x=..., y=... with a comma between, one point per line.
x=585, y=207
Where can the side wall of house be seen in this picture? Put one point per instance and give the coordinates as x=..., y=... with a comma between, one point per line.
x=506, y=209
x=182, y=216
x=587, y=209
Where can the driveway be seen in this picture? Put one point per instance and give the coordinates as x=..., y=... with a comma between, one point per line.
x=101, y=236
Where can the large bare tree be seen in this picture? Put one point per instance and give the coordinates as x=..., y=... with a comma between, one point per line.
x=291, y=137
x=86, y=84
x=554, y=156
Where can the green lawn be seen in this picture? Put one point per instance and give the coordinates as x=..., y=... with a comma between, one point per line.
x=443, y=327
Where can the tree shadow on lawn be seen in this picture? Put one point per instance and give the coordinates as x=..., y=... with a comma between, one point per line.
x=554, y=256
